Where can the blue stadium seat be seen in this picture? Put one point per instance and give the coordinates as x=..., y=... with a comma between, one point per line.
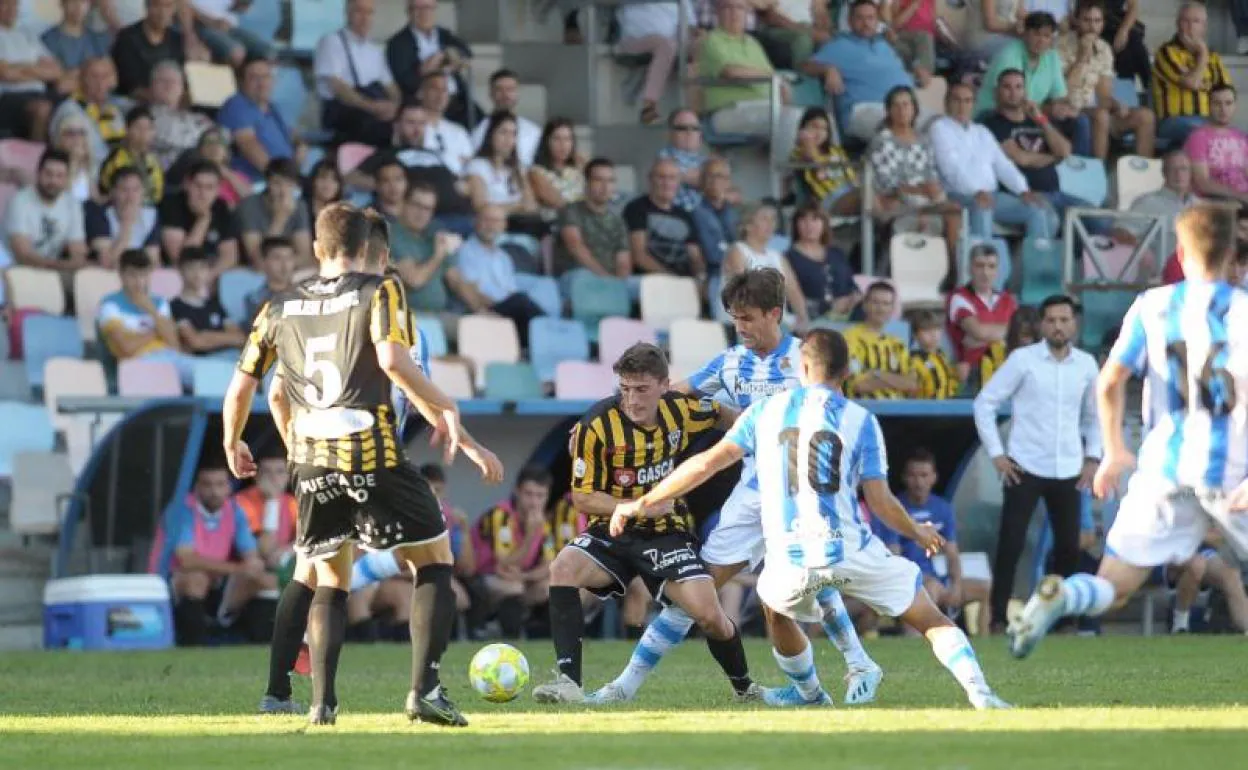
x=543, y=290
x=1084, y=178
x=310, y=20
x=1005, y=263
x=262, y=18
x=1102, y=311
x=27, y=428
x=315, y=154
x=435, y=335
x=1042, y=269
x=511, y=382
x=45, y=337
x=236, y=283
x=1126, y=93
x=552, y=340
x=900, y=329
x=289, y=94
x=595, y=297
x=211, y=377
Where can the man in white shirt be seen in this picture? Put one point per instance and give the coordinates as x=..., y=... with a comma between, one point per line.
x=505, y=93
x=27, y=68
x=1054, y=446
x=973, y=167
x=43, y=225
x=422, y=47
x=357, y=90
x=449, y=141
x=1165, y=204
x=483, y=275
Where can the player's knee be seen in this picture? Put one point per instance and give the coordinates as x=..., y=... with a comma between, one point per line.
x=565, y=571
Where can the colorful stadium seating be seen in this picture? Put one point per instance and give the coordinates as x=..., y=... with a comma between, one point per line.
x=582, y=380
x=919, y=263
x=453, y=377
x=596, y=297
x=435, y=334
x=234, y=286
x=512, y=382
x=1085, y=179
x=211, y=377
x=27, y=428
x=665, y=298
x=694, y=342
x=486, y=338
x=552, y=340
x=615, y=335
x=41, y=482
x=1136, y=176
x=45, y=337
x=91, y=285
x=166, y=282
x=152, y=379
x=36, y=289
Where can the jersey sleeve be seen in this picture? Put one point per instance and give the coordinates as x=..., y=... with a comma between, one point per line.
x=699, y=416
x=1131, y=348
x=589, y=469
x=260, y=350
x=869, y=455
x=743, y=431
x=708, y=380
x=388, y=317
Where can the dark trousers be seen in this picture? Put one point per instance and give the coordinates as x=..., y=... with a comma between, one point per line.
x=521, y=309
x=1062, y=500
x=349, y=124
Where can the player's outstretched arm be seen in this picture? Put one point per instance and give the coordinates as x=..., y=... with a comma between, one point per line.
x=234, y=412
x=279, y=408
x=689, y=475
x=1111, y=407
x=885, y=505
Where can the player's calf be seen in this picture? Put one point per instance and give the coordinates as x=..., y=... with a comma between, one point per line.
x=697, y=597
x=952, y=649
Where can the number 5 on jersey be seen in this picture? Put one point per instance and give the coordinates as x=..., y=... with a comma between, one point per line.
x=314, y=364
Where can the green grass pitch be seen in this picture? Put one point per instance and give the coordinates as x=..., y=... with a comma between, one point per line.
x=1084, y=704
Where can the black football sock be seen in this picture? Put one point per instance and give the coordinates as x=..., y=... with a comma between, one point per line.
x=432, y=623
x=327, y=631
x=567, y=629
x=730, y=655
x=191, y=622
x=289, y=623
x=511, y=617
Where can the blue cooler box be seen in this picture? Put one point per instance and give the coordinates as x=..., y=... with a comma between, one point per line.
x=107, y=612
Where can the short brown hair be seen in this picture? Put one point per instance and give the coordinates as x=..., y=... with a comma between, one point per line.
x=378, y=239
x=342, y=230
x=827, y=352
x=813, y=211
x=642, y=359
x=760, y=287
x=926, y=319
x=1206, y=233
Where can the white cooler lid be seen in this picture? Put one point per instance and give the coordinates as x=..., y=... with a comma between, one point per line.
x=89, y=588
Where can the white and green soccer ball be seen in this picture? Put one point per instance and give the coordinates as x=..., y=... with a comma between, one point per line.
x=499, y=672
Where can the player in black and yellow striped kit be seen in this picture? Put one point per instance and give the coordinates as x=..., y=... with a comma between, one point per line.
x=622, y=448
x=938, y=377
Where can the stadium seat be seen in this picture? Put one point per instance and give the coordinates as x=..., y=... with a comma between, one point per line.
x=483, y=339
x=453, y=377
x=1112, y=258
x=435, y=334
x=155, y=379
x=919, y=265
x=211, y=377
x=583, y=381
x=91, y=285
x=615, y=335
x=1137, y=176
x=70, y=377
x=899, y=329
x=666, y=298
x=45, y=337
x=1005, y=264
x=351, y=155
x=1042, y=270
x=1084, y=178
x=626, y=181
x=236, y=283
x=864, y=282
x=512, y=382
x=209, y=85
x=693, y=343
x=36, y=288
x=166, y=282
x=290, y=95
x=1126, y=93
x=262, y=18
x=13, y=384
x=595, y=297
x=41, y=483
x=311, y=20
x=543, y=290
x=27, y=428
x=313, y=156
x=552, y=340
x=525, y=252
x=1102, y=312
x=22, y=156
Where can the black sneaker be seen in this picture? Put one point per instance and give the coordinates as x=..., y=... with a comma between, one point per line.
x=323, y=715
x=434, y=708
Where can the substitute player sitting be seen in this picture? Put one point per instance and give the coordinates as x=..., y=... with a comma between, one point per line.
x=622, y=447
x=1190, y=342
x=814, y=449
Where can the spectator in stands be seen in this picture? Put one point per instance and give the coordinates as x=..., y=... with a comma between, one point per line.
x=449, y=140
x=879, y=363
x=422, y=48
x=390, y=186
x=821, y=269
x=914, y=27
x=1174, y=196
x=203, y=326
x=821, y=169
x=589, y=235
x=420, y=252
x=214, y=551
x=73, y=42
x=1125, y=33
x=859, y=69
x=1054, y=444
x=973, y=166
x=938, y=378
x=654, y=29
x=358, y=96
x=997, y=23
x=135, y=151
x=178, y=130
x=323, y=187
x=484, y=276
x=212, y=31
x=128, y=222
x=509, y=543
x=978, y=314
x=790, y=29
x=43, y=225
x=661, y=236
x=141, y=46
x=29, y=76
x=275, y=212
x=906, y=181
x=496, y=178
x=469, y=593
x=1022, y=330
x=259, y=133
x=753, y=250
x=557, y=176
x=95, y=101
x=1219, y=151
x=277, y=262
x=685, y=149
x=196, y=216
x=214, y=149
x=1208, y=568
x=136, y=324
x=717, y=217
x=271, y=510
x=1185, y=72
x=505, y=94
x=71, y=135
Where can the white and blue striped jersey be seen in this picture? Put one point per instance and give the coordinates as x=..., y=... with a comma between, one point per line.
x=420, y=354
x=1190, y=343
x=812, y=448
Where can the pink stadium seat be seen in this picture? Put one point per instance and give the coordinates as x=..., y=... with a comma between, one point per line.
x=1112, y=257
x=580, y=380
x=351, y=155
x=166, y=282
x=153, y=379
x=485, y=339
x=615, y=335
x=21, y=155
x=864, y=281
x=452, y=377
x=66, y=377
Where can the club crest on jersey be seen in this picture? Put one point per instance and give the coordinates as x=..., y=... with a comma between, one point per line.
x=579, y=468
x=673, y=439
x=785, y=363
x=624, y=477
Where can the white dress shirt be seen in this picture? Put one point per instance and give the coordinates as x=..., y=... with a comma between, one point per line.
x=528, y=135
x=451, y=143
x=970, y=160
x=332, y=61
x=1053, y=407
x=428, y=45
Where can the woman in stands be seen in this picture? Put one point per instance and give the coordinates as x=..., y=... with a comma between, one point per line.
x=557, y=175
x=753, y=250
x=323, y=187
x=178, y=130
x=69, y=135
x=821, y=169
x=908, y=191
x=496, y=179
x=821, y=269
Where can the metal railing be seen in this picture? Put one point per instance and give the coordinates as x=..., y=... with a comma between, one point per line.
x=1075, y=230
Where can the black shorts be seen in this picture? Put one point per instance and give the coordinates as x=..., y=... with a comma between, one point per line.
x=657, y=558
x=382, y=509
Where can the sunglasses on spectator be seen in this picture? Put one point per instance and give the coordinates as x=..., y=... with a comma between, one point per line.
x=682, y=127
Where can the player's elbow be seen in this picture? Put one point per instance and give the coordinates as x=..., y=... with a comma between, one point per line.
x=878, y=496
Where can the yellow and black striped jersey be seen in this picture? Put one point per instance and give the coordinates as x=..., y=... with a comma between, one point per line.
x=871, y=351
x=615, y=455
x=938, y=378
x=991, y=362
x=322, y=334
x=563, y=524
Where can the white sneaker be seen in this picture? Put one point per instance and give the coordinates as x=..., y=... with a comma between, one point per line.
x=988, y=701
x=1242, y=46
x=752, y=695
x=1042, y=610
x=608, y=693
x=861, y=684
x=560, y=690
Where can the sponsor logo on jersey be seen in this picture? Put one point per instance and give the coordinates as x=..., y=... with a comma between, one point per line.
x=652, y=474
x=676, y=557
x=624, y=477
x=333, y=485
x=579, y=468
x=761, y=387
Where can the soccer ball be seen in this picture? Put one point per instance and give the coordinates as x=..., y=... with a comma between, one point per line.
x=499, y=672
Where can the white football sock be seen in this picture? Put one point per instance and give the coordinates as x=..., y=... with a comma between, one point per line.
x=801, y=671
x=840, y=630
x=373, y=567
x=668, y=629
